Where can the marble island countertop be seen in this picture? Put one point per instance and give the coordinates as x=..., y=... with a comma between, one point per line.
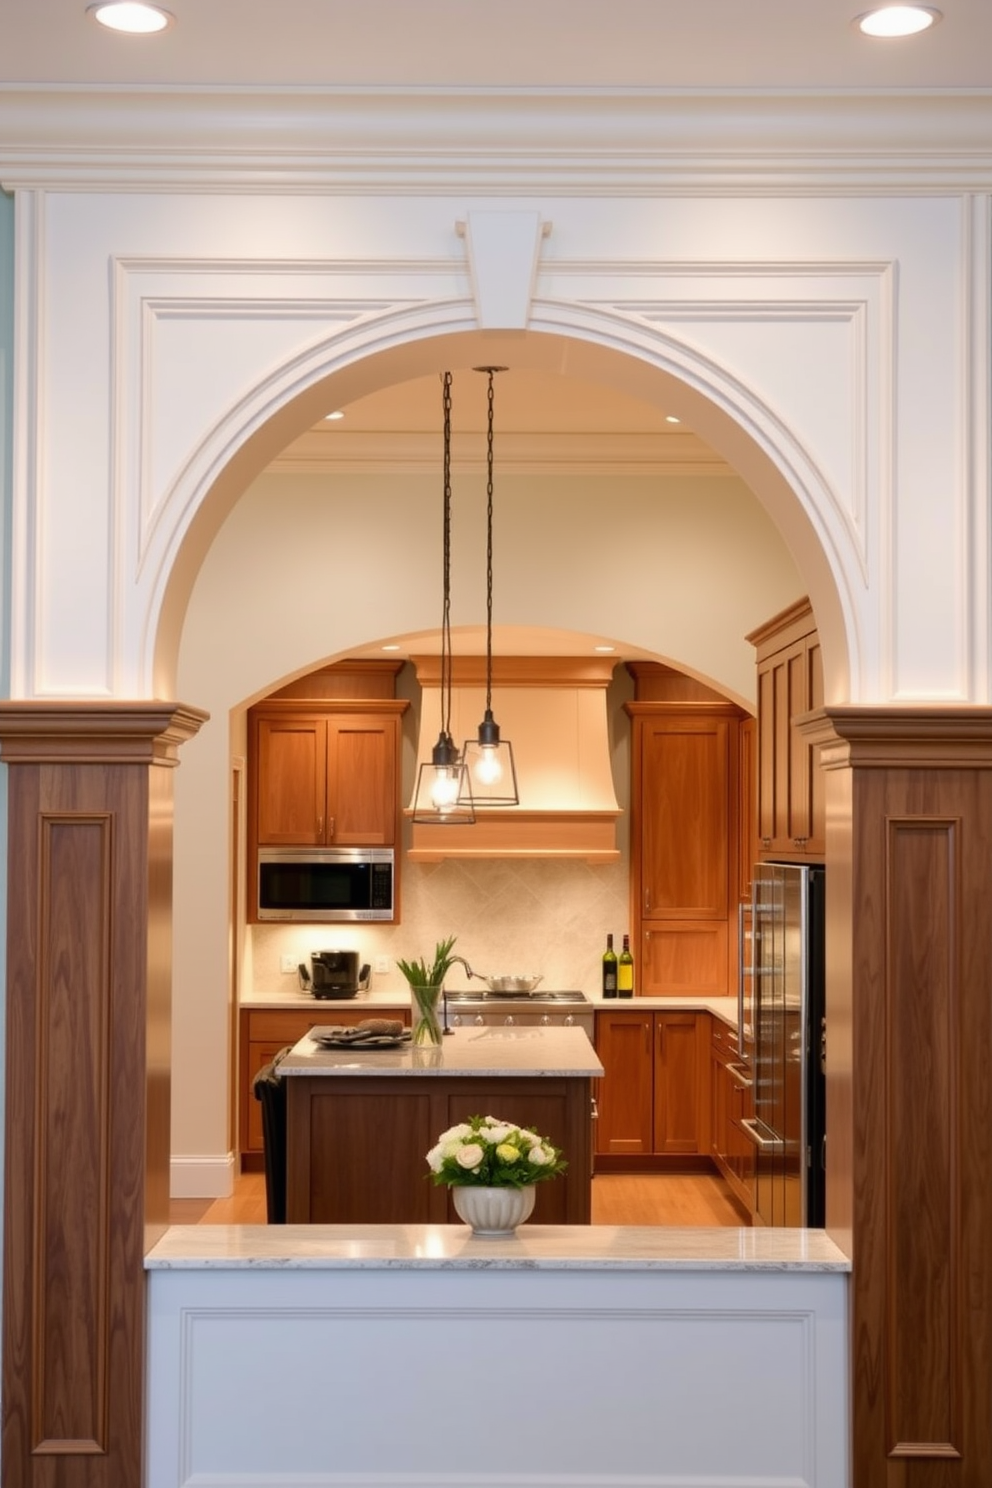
x=488, y=1052
x=534, y=1247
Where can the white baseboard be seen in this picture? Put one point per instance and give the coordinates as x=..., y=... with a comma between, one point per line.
x=202, y=1177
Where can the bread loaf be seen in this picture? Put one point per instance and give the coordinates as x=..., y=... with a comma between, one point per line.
x=392, y=1027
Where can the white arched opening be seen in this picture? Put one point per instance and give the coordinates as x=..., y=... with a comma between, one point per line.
x=246, y=608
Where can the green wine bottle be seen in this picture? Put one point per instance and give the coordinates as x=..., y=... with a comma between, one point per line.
x=609, y=969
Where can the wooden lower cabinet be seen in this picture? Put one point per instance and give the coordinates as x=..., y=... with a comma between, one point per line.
x=653, y=1101
x=731, y=1101
x=263, y=1033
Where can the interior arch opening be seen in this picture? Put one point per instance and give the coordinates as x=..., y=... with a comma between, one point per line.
x=613, y=526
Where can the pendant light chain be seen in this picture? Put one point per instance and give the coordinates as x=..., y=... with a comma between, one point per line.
x=446, y=580
x=489, y=549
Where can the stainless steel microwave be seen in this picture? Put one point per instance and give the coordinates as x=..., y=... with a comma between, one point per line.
x=324, y=884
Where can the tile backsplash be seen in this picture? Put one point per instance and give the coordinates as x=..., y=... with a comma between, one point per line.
x=527, y=916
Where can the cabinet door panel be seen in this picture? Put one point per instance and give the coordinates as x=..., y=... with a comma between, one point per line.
x=290, y=777
x=676, y=1083
x=682, y=959
x=686, y=818
x=625, y=1094
x=361, y=782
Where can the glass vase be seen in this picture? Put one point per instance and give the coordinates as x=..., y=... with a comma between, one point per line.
x=423, y=1006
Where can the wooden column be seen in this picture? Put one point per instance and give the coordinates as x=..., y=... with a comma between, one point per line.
x=909, y=1084
x=86, y=1185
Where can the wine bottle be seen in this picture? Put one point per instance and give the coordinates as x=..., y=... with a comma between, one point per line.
x=609, y=969
x=625, y=971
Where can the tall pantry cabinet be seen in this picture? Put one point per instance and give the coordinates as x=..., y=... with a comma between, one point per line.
x=688, y=799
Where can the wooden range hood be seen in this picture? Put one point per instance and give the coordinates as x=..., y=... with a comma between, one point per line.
x=553, y=711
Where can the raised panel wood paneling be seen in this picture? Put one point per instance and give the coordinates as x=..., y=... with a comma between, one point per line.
x=86, y=1178
x=909, y=1049
x=69, y=1306
x=923, y=1115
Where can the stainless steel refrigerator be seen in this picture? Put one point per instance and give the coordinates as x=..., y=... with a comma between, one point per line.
x=789, y=1051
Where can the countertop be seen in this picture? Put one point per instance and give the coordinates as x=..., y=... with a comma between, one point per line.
x=485, y=1052
x=267, y=999
x=534, y=1247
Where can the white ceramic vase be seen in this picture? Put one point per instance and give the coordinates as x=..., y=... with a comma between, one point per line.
x=493, y=1212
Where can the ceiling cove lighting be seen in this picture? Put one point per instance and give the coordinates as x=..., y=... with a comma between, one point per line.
x=444, y=793
x=898, y=20
x=135, y=17
x=488, y=758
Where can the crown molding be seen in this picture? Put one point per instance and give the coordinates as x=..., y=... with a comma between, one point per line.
x=606, y=142
x=362, y=452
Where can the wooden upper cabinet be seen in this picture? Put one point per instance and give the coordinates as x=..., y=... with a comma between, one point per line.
x=324, y=771
x=790, y=806
x=325, y=781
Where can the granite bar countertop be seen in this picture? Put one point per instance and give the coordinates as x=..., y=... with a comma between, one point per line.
x=534, y=1247
x=486, y=1052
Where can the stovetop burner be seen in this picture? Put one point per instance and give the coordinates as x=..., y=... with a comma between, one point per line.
x=528, y=997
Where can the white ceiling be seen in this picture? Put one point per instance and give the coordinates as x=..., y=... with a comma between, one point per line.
x=753, y=44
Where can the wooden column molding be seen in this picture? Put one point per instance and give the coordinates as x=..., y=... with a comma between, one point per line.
x=86, y=1186
x=909, y=1055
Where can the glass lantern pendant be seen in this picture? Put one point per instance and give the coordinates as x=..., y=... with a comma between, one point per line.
x=444, y=792
x=489, y=763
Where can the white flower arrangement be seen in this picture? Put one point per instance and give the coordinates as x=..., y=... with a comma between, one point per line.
x=491, y=1153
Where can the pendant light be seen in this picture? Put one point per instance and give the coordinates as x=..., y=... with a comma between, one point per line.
x=444, y=793
x=488, y=758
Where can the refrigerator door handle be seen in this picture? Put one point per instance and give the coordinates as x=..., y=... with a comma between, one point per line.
x=764, y=1140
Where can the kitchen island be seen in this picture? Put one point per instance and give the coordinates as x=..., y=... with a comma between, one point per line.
x=360, y=1122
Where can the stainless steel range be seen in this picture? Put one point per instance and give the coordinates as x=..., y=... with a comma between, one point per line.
x=571, y=1009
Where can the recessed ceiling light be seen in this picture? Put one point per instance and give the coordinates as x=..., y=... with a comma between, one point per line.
x=136, y=17
x=898, y=20
x=391, y=646
x=605, y=649
x=337, y=414
x=671, y=419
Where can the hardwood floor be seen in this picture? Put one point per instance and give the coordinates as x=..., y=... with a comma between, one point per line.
x=617, y=1199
